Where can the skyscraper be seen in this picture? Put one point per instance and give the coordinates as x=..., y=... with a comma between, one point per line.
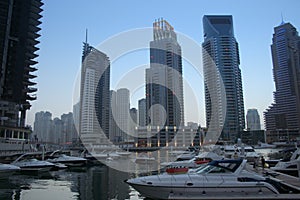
x=69, y=130
x=253, y=120
x=284, y=113
x=94, y=96
x=112, y=121
x=122, y=115
x=142, y=112
x=43, y=127
x=19, y=27
x=224, y=112
x=133, y=120
x=164, y=86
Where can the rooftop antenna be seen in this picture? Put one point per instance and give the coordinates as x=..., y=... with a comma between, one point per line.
x=282, y=22
x=86, y=35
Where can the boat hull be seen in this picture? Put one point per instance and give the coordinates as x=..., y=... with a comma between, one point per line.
x=167, y=192
x=34, y=169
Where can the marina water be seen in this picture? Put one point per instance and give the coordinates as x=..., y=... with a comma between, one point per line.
x=91, y=183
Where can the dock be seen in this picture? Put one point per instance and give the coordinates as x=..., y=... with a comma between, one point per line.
x=285, y=179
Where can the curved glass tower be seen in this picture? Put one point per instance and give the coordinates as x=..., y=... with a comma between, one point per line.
x=221, y=53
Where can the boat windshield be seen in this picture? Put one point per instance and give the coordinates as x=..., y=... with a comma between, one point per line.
x=218, y=167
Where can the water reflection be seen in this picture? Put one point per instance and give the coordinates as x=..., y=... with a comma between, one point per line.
x=92, y=183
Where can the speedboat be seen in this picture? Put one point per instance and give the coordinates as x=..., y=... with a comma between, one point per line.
x=187, y=155
x=7, y=170
x=197, y=161
x=219, y=178
x=28, y=164
x=144, y=159
x=233, y=151
x=70, y=161
x=262, y=145
x=249, y=153
x=289, y=167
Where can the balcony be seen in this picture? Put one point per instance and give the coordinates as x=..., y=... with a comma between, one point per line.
x=31, y=97
x=30, y=89
x=27, y=82
x=30, y=69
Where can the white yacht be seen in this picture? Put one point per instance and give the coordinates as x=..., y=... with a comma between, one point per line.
x=187, y=155
x=215, y=180
x=233, y=151
x=143, y=158
x=262, y=145
x=7, y=170
x=289, y=167
x=27, y=164
x=195, y=162
x=70, y=161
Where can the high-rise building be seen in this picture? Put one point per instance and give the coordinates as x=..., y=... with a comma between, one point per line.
x=122, y=114
x=76, y=116
x=222, y=78
x=164, y=85
x=112, y=114
x=253, y=120
x=142, y=112
x=19, y=27
x=133, y=120
x=58, y=131
x=69, y=130
x=282, y=118
x=94, y=96
x=43, y=127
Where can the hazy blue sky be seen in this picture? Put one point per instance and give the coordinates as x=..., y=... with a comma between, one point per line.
x=65, y=21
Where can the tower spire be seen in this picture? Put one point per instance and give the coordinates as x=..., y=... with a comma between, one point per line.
x=86, y=35
x=282, y=22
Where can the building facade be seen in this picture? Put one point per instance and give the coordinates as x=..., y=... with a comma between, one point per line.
x=19, y=27
x=42, y=127
x=94, y=96
x=69, y=133
x=142, y=112
x=282, y=118
x=122, y=115
x=112, y=121
x=253, y=120
x=164, y=84
x=224, y=100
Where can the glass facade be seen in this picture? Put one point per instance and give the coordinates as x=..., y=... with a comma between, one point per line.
x=284, y=113
x=222, y=78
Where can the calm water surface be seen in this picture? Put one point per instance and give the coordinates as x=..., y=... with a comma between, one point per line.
x=92, y=183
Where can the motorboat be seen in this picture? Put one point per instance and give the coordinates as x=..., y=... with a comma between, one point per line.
x=234, y=152
x=219, y=178
x=29, y=164
x=249, y=153
x=70, y=161
x=195, y=162
x=289, y=167
x=262, y=145
x=123, y=153
x=6, y=170
x=187, y=155
x=144, y=159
